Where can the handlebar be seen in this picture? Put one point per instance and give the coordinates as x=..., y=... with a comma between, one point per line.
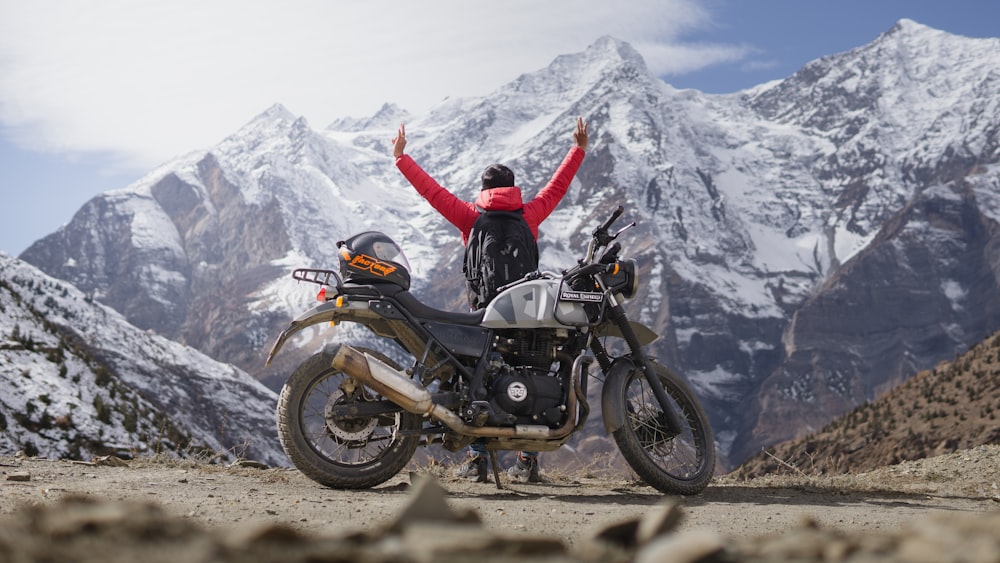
x=601, y=238
x=614, y=217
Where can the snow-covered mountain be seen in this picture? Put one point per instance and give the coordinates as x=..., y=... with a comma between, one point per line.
x=803, y=245
x=80, y=381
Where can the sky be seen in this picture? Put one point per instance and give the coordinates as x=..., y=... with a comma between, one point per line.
x=95, y=93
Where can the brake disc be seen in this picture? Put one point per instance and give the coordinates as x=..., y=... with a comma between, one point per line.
x=347, y=429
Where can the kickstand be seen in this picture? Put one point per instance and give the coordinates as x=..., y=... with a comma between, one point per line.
x=495, y=465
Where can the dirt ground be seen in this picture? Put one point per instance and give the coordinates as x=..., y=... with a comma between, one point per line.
x=565, y=508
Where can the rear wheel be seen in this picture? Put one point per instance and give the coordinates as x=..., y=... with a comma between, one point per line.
x=347, y=452
x=680, y=464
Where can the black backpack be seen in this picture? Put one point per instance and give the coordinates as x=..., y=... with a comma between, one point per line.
x=501, y=250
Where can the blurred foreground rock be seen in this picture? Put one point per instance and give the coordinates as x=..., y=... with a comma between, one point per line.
x=84, y=529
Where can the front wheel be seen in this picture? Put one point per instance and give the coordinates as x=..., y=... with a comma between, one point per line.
x=344, y=452
x=680, y=464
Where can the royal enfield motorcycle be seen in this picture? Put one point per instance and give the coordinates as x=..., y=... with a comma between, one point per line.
x=513, y=375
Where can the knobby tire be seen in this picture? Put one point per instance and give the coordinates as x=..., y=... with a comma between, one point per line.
x=683, y=464
x=346, y=453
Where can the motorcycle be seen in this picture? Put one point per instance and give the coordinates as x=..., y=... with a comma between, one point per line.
x=513, y=375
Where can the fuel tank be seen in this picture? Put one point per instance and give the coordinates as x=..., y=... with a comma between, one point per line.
x=533, y=304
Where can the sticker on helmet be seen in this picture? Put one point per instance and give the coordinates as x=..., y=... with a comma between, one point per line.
x=367, y=263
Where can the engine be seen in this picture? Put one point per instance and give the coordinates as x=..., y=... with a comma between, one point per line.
x=524, y=388
x=527, y=396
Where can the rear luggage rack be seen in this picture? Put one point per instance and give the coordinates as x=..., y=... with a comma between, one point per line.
x=321, y=277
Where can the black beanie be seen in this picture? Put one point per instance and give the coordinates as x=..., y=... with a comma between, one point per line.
x=497, y=176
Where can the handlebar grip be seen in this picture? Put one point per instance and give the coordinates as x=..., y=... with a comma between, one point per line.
x=614, y=217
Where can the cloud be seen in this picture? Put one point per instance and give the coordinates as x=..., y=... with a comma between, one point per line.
x=150, y=80
x=665, y=59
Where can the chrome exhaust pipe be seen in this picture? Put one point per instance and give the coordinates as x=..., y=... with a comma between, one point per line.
x=385, y=380
x=397, y=387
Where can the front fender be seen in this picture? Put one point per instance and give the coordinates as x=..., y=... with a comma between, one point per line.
x=612, y=396
x=642, y=332
x=324, y=312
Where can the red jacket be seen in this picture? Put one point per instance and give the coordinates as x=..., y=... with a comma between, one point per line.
x=463, y=214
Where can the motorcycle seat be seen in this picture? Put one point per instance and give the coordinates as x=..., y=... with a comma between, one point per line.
x=419, y=310
x=416, y=308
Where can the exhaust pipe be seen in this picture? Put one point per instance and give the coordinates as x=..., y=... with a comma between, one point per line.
x=403, y=391
x=388, y=382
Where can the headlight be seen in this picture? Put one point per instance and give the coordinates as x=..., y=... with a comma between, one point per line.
x=624, y=278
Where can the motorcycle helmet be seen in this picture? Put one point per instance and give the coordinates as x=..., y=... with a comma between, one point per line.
x=371, y=257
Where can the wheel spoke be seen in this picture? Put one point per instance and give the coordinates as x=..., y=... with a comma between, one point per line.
x=679, y=456
x=341, y=440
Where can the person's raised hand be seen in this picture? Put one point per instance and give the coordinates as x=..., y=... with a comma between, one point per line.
x=580, y=135
x=399, y=141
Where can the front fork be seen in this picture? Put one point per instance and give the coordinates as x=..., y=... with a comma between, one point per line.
x=616, y=313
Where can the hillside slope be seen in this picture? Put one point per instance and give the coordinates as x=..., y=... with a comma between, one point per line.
x=77, y=381
x=953, y=407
